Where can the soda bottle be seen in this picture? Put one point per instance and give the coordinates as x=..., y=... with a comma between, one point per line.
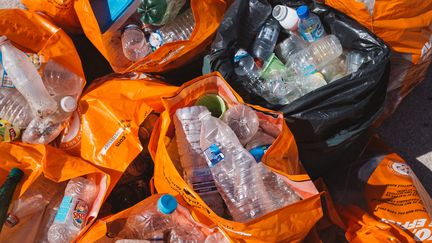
x=134, y=43
x=73, y=211
x=265, y=41
x=6, y=192
x=243, y=121
x=309, y=26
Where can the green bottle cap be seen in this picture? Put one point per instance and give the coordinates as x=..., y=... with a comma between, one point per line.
x=16, y=173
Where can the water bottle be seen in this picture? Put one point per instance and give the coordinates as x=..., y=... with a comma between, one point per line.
x=316, y=56
x=159, y=12
x=243, y=121
x=234, y=169
x=334, y=70
x=353, y=61
x=311, y=82
x=195, y=168
x=7, y=191
x=14, y=108
x=265, y=41
x=167, y=219
x=26, y=79
x=289, y=46
x=73, y=211
x=180, y=28
x=286, y=16
x=60, y=81
x=245, y=65
x=134, y=43
x=35, y=199
x=257, y=14
x=309, y=26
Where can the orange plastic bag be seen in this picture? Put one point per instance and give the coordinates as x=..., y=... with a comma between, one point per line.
x=104, y=131
x=53, y=164
x=62, y=12
x=291, y=223
x=106, y=229
x=35, y=34
x=405, y=26
x=207, y=13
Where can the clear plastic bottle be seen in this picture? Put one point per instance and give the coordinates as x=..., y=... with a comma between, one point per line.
x=245, y=66
x=243, y=121
x=14, y=108
x=33, y=200
x=316, y=56
x=196, y=171
x=234, y=169
x=257, y=14
x=311, y=82
x=167, y=219
x=134, y=43
x=60, y=81
x=309, y=26
x=73, y=211
x=26, y=79
x=334, y=70
x=265, y=41
x=289, y=46
x=353, y=61
x=180, y=28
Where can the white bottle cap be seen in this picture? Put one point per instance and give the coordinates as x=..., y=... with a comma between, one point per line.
x=287, y=17
x=68, y=104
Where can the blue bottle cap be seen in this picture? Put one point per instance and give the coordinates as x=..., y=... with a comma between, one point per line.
x=167, y=204
x=303, y=12
x=258, y=152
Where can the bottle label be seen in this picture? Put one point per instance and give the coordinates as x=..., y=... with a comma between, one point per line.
x=308, y=70
x=240, y=55
x=213, y=155
x=156, y=40
x=313, y=33
x=63, y=210
x=8, y=132
x=79, y=213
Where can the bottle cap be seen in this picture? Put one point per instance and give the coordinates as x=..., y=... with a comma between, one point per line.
x=68, y=103
x=287, y=17
x=167, y=204
x=258, y=152
x=16, y=173
x=303, y=12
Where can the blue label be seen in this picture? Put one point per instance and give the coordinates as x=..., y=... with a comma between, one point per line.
x=313, y=33
x=213, y=155
x=63, y=210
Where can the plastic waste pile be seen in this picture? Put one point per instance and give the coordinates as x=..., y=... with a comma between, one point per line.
x=37, y=102
x=306, y=59
x=221, y=158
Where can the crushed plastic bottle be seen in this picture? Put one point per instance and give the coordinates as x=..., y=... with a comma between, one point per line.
x=73, y=211
x=309, y=26
x=243, y=121
x=265, y=41
x=26, y=79
x=159, y=12
x=166, y=220
x=316, y=56
x=196, y=171
x=134, y=43
x=180, y=28
x=235, y=171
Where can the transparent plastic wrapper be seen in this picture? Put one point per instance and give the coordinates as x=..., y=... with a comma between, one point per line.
x=331, y=123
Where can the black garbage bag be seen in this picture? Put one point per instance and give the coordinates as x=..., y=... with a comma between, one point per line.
x=330, y=124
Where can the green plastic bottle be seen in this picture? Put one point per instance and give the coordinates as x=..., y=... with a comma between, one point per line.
x=6, y=192
x=159, y=12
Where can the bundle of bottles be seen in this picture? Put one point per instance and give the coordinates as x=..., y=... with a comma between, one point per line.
x=35, y=96
x=307, y=59
x=160, y=22
x=220, y=155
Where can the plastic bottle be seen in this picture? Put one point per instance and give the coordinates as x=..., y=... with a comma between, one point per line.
x=334, y=70
x=289, y=46
x=257, y=14
x=154, y=222
x=286, y=16
x=316, y=56
x=159, y=12
x=14, y=108
x=134, y=43
x=6, y=192
x=311, y=82
x=196, y=171
x=243, y=121
x=73, y=211
x=234, y=170
x=245, y=65
x=26, y=79
x=180, y=28
x=35, y=199
x=353, y=61
x=49, y=215
x=265, y=41
x=309, y=26
x=60, y=81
